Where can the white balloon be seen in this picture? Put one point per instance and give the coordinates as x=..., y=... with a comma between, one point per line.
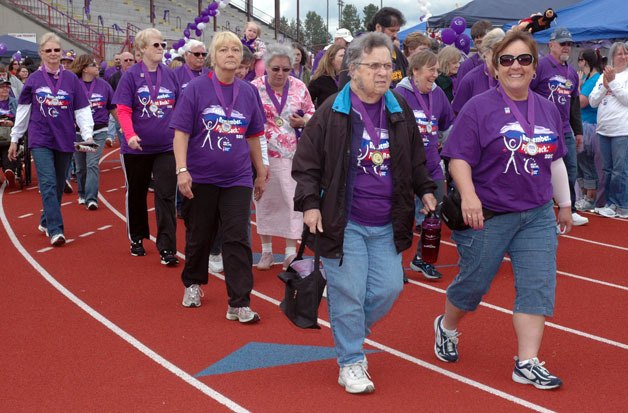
x=217, y=13
x=172, y=51
x=223, y=4
x=181, y=50
x=201, y=26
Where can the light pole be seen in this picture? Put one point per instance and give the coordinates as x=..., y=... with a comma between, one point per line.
x=341, y=4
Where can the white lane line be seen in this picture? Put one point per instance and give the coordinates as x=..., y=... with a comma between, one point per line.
x=105, y=227
x=69, y=240
x=425, y=364
x=15, y=192
x=117, y=167
x=603, y=244
x=66, y=203
x=87, y=234
x=230, y=404
x=150, y=209
x=31, y=188
x=45, y=249
x=105, y=170
x=111, y=190
x=26, y=215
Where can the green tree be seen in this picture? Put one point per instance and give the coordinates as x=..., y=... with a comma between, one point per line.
x=315, y=32
x=350, y=18
x=368, y=12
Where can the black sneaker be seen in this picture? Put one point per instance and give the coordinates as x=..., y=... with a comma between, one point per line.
x=67, y=187
x=535, y=374
x=445, y=346
x=168, y=258
x=428, y=270
x=137, y=249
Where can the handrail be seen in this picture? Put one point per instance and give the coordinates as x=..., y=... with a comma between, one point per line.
x=55, y=18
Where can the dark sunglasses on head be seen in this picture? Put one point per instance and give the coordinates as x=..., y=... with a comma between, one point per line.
x=563, y=44
x=508, y=60
x=56, y=50
x=198, y=54
x=277, y=69
x=158, y=45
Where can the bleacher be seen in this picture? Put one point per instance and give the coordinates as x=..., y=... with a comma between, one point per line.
x=170, y=17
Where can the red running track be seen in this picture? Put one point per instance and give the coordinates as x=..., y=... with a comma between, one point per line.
x=87, y=327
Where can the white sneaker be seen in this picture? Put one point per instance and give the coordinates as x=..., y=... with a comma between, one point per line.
x=57, y=240
x=192, y=296
x=355, y=378
x=579, y=219
x=609, y=211
x=81, y=201
x=242, y=314
x=585, y=204
x=42, y=229
x=215, y=263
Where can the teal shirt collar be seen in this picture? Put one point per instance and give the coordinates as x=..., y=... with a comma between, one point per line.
x=342, y=103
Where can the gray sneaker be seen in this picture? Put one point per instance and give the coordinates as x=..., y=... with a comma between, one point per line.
x=192, y=296
x=242, y=314
x=355, y=378
x=585, y=204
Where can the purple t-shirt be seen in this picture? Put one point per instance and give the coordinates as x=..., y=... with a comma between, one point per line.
x=152, y=124
x=442, y=118
x=559, y=84
x=510, y=172
x=5, y=110
x=51, y=123
x=467, y=66
x=372, y=190
x=475, y=82
x=219, y=154
x=110, y=71
x=184, y=75
x=100, y=100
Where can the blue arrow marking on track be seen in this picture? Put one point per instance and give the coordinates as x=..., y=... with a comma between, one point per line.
x=260, y=355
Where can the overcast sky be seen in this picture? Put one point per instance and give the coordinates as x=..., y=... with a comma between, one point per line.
x=410, y=8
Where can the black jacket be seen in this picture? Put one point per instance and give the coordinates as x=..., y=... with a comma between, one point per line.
x=322, y=162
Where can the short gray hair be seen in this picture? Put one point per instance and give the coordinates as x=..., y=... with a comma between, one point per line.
x=279, y=50
x=365, y=44
x=192, y=43
x=491, y=39
x=611, y=53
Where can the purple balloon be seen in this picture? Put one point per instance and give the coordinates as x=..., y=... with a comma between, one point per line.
x=198, y=32
x=205, y=12
x=212, y=12
x=193, y=26
x=198, y=19
x=167, y=55
x=213, y=6
x=448, y=36
x=458, y=24
x=3, y=48
x=463, y=42
x=205, y=19
x=186, y=33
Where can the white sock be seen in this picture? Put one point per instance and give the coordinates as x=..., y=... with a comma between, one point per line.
x=448, y=332
x=290, y=251
x=524, y=362
x=267, y=247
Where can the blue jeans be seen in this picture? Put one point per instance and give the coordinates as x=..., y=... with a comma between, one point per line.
x=51, y=167
x=586, y=159
x=614, y=152
x=530, y=239
x=113, y=129
x=363, y=289
x=87, y=169
x=571, y=163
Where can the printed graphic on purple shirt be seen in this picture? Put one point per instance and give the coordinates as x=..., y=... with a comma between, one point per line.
x=100, y=101
x=510, y=171
x=372, y=191
x=5, y=111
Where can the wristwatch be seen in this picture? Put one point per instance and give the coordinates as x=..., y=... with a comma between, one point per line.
x=184, y=169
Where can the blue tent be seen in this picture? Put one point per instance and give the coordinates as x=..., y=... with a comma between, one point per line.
x=590, y=20
x=421, y=27
x=14, y=44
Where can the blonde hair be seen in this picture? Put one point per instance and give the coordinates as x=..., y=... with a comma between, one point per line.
x=446, y=56
x=326, y=65
x=48, y=37
x=257, y=28
x=220, y=39
x=141, y=38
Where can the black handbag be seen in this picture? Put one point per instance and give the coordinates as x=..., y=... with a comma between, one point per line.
x=303, y=295
x=451, y=211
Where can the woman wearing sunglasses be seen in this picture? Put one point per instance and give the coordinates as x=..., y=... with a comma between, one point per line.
x=218, y=124
x=100, y=95
x=505, y=150
x=288, y=106
x=482, y=77
x=51, y=104
x=145, y=97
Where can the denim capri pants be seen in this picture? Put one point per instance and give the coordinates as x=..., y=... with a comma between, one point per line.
x=530, y=239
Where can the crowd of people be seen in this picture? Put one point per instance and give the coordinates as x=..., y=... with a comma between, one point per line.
x=357, y=146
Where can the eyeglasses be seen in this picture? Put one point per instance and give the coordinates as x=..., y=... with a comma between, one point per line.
x=128, y=60
x=283, y=69
x=198, y=54
x=92, y=64
x=158, y=45
x=580, y=59
x=377, y=66
x=56, y=50
x=508, y=60
x=563, y=44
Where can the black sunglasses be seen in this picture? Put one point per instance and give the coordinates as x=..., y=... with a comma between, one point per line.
x=158, y=45
x=128, y=60
x=508, y=60
x=198, y=54
x=563, y=44
x=56, y=50
x=277, y=69
x=92, y=64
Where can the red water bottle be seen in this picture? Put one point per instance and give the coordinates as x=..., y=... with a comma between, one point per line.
x=430, y=238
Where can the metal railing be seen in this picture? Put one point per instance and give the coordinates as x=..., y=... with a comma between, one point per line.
x=56, y=19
